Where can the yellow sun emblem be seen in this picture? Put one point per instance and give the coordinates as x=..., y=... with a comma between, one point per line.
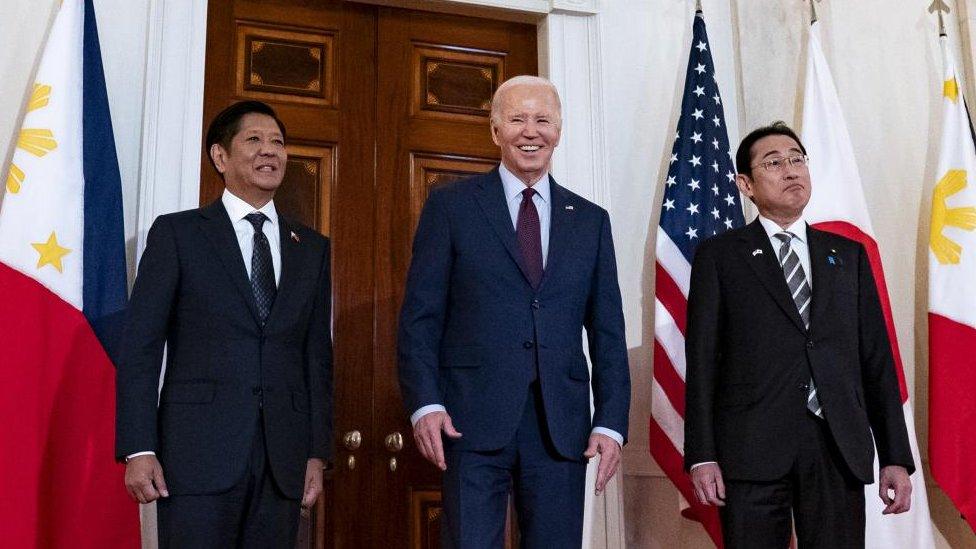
x=946, y=250
x=37, y=142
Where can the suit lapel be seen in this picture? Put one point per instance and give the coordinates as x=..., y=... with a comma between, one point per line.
x=758, y=253
x=561, y=221
x=290, y=267
x=822, y=276
x=491, y=198
x=219, y=232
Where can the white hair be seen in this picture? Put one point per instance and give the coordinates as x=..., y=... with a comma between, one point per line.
x=522, y=80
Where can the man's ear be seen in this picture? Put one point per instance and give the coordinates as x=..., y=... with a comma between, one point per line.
x=494, y=132
x=219, y=157
x=744, y=182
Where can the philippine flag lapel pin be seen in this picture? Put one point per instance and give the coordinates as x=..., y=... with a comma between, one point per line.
x=295, y=237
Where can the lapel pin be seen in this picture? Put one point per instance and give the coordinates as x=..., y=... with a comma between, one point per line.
x=757, y=251
x=569, y=206
x=295, y=237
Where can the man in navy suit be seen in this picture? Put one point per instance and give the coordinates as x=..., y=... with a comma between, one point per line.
x=240, y=296
x=508, y=269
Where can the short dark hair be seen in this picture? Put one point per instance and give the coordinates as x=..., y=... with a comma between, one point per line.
x=743, y=156
x=225, y=125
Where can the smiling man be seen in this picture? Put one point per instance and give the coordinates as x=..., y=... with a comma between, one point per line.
x=508, y=270
x=789, y=369
x=240, y=297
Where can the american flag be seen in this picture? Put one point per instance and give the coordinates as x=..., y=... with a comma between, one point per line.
x=700, y=200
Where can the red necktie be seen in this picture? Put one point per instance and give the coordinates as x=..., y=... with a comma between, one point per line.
x=528, y=234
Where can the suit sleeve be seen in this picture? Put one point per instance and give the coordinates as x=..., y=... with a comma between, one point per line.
x=604, y=323
x=879, y=378
x=424, y=309
x=318, y=367
x=702, y=358
x=141, y=357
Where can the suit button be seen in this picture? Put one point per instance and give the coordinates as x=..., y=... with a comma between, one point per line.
x=528, y=344
x=535, y=304
x=256, y=391
x=803, y=386
x=809, y=344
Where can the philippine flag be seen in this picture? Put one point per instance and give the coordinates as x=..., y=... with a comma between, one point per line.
x=63, y=286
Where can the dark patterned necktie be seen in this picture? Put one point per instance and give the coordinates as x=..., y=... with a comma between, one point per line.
x=796, y=280
x=262, y=269
x=529, y=235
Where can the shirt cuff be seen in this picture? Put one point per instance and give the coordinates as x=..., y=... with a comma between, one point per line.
x=137, y=454
x=692, y=468
x=424, y=410
x=610, y=433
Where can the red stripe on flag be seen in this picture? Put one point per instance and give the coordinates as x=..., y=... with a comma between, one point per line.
x=669, y=294
x=672, y=464
x=669, y=380
x=60, y=485
x=952, y=411
x=848, y=230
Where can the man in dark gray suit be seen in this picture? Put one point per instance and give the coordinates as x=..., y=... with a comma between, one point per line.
x=240, y=296
x=789, y=369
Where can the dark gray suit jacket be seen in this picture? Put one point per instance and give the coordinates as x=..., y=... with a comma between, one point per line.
x=749, y=358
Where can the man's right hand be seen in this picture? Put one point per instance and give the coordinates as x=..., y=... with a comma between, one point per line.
x=144, y=479
x=709, y=487
x=427, y=435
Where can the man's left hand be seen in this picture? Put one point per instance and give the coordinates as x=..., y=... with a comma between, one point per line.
x=609, y=452
x=313, y=484
x=895, y=478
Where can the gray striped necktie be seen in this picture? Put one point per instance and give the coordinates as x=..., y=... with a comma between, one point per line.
x=796, y=279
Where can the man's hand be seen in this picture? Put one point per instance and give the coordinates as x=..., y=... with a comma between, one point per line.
x=313, y=484
x=144, y=479
x=709, y=487
x=427, y=435
x=894, y=478
x=609, y=452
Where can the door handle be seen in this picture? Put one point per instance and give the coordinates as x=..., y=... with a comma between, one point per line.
x=394, y=441
x=353, y=440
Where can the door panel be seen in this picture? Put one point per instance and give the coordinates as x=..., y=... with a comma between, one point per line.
x=380, y=105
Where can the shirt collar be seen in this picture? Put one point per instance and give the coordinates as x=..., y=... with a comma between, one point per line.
x=798, y=228
x=237, y=208
x=513, y=185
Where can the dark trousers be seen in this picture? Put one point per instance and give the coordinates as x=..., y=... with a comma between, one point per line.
x=825, y=500
x=547, y=489
x=252, y=514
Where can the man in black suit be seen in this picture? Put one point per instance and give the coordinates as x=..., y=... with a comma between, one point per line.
x=789, y=369
x=240, y=296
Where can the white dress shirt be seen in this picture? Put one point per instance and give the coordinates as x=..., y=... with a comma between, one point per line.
x=236, y=210
x=799, y=243
x=542, y=199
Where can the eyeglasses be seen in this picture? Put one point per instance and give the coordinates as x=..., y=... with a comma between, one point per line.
x=777, y=164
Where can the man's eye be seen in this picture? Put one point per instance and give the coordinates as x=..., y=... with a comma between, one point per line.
x=777, y=163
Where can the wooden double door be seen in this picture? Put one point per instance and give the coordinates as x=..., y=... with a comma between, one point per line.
x=380, y=105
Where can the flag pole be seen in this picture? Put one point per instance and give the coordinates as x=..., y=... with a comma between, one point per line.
x=813, y=11
x=698, y=7
x=940, y=6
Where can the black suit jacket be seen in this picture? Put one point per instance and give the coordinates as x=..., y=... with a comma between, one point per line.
x=192, y=293
x=749, y=358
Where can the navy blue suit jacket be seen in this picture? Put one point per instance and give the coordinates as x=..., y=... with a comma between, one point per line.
x=192, y=293
x=473, y=333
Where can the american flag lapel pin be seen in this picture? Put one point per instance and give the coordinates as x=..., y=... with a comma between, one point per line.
x=295, y=237
x=757, y=251
x=569, y=207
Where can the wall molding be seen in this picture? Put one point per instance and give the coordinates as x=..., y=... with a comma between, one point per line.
x=169, y=174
